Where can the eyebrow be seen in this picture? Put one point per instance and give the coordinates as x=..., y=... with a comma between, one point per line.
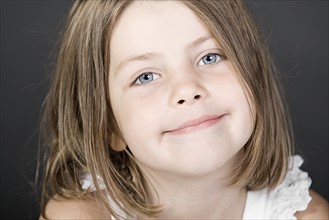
x=150, y=56
x=147, y=56
x=198, y=41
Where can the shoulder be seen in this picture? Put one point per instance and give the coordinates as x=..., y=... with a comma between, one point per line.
x=62, y=208
x=318, y=208
x=292, y=198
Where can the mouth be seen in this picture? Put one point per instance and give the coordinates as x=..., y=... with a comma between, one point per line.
x=197, y=124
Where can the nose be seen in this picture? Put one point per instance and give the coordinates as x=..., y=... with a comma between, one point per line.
x=187, y=90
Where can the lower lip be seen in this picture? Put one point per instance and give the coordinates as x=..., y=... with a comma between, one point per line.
x=194, y=128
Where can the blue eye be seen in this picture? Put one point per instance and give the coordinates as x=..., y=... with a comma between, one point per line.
x=210, y=58
x=146, y=78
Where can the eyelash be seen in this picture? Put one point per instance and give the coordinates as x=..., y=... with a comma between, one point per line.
x=138, y=80
x=218, y=57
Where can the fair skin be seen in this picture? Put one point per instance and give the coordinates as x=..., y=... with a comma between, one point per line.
x=182, y=112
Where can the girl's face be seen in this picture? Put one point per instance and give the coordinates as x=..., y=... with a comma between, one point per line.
x=176, y=98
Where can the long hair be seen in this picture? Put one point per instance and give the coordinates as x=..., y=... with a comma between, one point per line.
x=79, y=128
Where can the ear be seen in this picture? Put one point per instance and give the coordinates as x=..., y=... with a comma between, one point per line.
x=117, y=143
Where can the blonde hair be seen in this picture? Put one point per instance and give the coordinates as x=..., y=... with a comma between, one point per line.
x=79, y=126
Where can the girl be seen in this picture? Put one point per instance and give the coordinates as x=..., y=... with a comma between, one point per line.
x=169, y=110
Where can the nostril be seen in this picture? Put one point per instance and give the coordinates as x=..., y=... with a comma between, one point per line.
x=181, y=101
x=197, y=97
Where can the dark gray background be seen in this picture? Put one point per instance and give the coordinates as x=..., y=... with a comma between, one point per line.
x=296, y=30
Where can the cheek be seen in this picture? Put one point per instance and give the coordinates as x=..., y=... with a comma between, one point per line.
x=137, y=121
x=245, y=116
x=240, y=107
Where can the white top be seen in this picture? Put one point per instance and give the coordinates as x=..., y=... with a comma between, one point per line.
x=285, y=200
x=290, y=196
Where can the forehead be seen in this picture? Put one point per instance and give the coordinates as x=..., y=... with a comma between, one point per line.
x=151, y=26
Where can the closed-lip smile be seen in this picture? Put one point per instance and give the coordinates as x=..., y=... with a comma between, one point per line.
x=202, y=122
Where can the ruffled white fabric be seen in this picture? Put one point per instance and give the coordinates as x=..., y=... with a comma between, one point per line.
x=292, y=194
x=87, y=183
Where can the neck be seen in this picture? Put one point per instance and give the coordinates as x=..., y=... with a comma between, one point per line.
x=206, y=197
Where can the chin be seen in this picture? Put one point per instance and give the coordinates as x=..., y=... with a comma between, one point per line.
x=204, y=164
